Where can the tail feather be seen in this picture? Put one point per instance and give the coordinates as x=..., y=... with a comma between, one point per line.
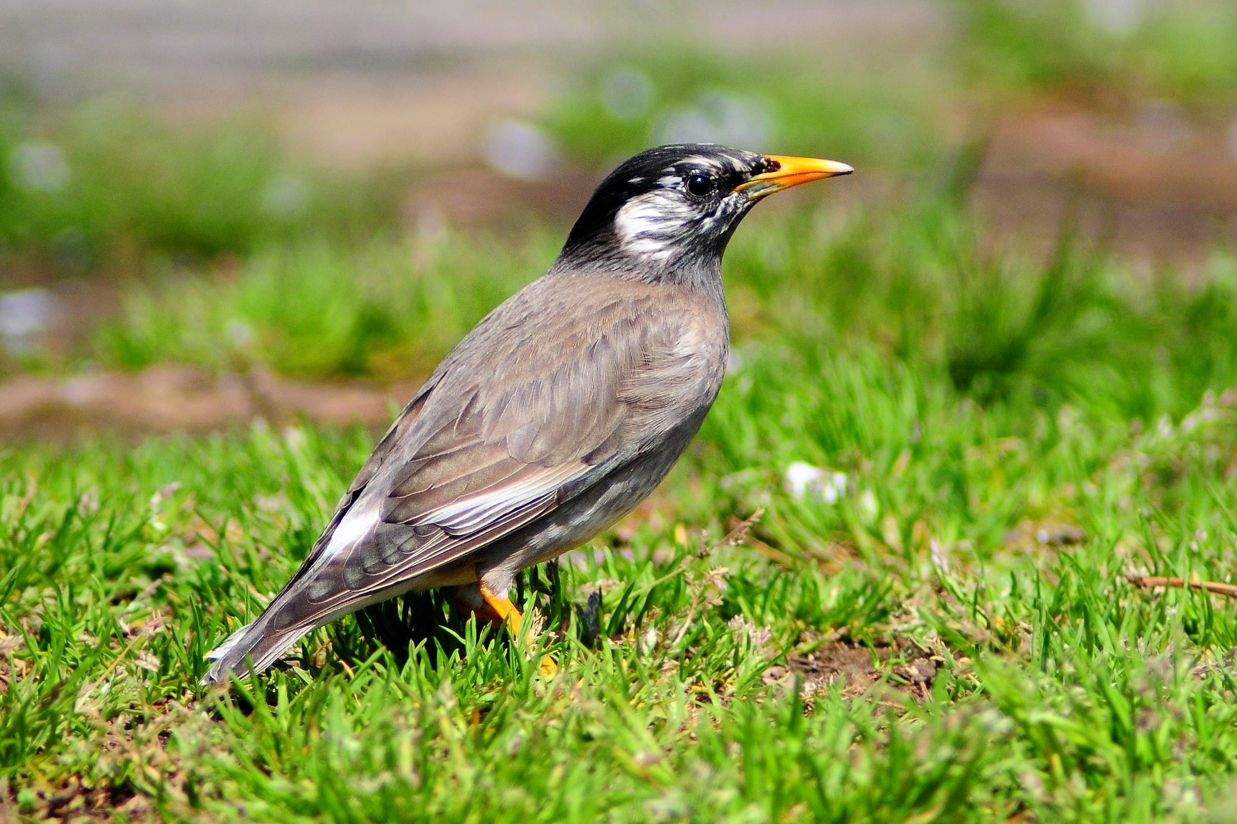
x=255, y=642
x=229, y=642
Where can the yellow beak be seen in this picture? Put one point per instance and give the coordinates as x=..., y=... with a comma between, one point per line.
x=790, y=171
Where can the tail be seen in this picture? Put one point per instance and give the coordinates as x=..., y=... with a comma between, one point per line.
x=253, y=648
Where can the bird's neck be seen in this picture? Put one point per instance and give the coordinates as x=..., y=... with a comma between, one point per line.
x=702, y=273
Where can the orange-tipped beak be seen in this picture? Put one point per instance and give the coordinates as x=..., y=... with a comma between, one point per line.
x=791, y=171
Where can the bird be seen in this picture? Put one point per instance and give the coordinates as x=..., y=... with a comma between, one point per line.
x=558, y=413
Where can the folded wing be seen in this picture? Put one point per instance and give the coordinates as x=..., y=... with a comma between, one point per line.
x=512, y=423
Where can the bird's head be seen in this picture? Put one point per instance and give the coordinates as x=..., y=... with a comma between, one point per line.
x=669, y=212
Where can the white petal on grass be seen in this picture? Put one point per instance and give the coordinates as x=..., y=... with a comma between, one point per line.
x=802, y=480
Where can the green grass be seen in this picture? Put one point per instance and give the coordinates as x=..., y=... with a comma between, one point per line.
x=1059, y=690
x=85, y=185
x=392, y=308
x=1177, y=50
x=952, y=638
x=914, y=283
x=1017, y=437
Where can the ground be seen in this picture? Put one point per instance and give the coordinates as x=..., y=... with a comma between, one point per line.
x=956, y=542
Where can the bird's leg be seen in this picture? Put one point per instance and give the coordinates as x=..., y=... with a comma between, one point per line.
x=498, y=610
x=501, y=606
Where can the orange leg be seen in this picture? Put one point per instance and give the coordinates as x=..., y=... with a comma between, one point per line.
x=498, y=609
x=503, y=611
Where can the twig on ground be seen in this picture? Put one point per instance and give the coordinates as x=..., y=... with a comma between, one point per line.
x=1215, y=588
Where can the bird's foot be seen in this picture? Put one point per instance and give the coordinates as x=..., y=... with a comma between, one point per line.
x=498, y=610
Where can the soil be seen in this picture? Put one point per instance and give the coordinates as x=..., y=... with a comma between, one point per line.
x=1153, y=184
x=175, y=398
x=858, y=668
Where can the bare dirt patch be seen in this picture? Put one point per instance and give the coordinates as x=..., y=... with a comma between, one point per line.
x=858, y=668
x=180, y=398
x=1153, y=183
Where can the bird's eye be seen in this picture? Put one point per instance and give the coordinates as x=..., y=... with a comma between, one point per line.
x=699, y=185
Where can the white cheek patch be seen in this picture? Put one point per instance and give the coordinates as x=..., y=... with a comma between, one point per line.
x=652, y=224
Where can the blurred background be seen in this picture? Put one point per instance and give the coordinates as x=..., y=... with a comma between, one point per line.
x=216, y=211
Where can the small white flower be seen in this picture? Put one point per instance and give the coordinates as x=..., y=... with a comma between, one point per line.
x=803, y=480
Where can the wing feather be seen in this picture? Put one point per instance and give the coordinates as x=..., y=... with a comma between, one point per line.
x=517, y=417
